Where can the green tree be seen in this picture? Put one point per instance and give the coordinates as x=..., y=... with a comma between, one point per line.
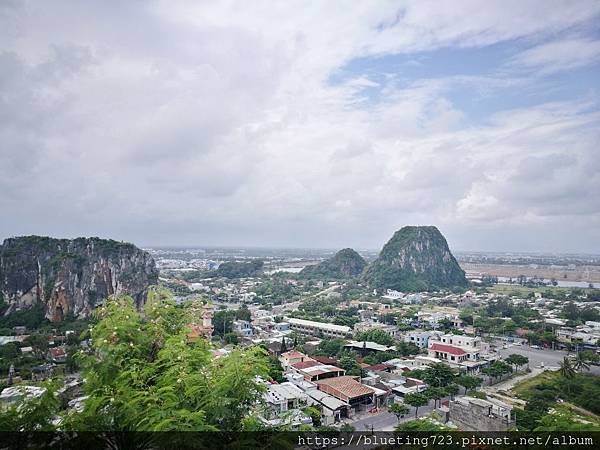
x=468, y=382
x=516, y=360
x=581, y=362
x=566, y=368
x=243, y=314
x=223, y=322
x=451, y=390
x=143, y=374
x=39, y=343
x=439, y=375
x=375, y=335
x=399, y=410
x=435, y=394
x=416, y=400
x=349, y=364
x=421, y=425
x=33, y=413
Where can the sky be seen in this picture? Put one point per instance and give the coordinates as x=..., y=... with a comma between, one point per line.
x=302, y=123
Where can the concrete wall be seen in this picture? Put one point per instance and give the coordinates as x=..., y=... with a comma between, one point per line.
x=476, y=418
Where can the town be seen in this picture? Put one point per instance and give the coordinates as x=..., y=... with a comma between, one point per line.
x=347, y=357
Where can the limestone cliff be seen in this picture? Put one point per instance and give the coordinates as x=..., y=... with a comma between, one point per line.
x=344, y=264
x=415, y=259
x=70, y=277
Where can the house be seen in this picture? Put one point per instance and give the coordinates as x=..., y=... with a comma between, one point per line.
x=332, y=409
x=57, y=355
x=282, y=406
x=419, y=338
x=455, y=348
x=284, y=397
x=348, y=390
x=292, y=357
x=313, y=370
x=243, y=328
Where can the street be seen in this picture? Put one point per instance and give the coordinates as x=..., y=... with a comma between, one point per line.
x=550, y=358
x=386, y=421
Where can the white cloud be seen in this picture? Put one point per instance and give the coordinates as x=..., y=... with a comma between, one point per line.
x=215, y=123
x=559, y=55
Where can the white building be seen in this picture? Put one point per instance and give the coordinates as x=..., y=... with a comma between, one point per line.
x=317, y=328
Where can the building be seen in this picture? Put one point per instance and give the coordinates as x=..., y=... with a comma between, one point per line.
x=243, y=328
x=368, y=347
x=474, y=414
x=284, y=397
x=292, y=357
x=313, y=370
x=318, y=328
x=419, y=338
x=455, y=348
x=57, y=355
x=283, y=403
x=333, y=409
x=348, y=390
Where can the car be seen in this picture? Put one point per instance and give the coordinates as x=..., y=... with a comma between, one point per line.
x=537, y=347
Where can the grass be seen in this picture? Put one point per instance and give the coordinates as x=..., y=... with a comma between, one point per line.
x=524, y=388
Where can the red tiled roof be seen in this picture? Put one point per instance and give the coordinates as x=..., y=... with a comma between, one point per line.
x=57, y=352
x=306, y=364
x=326, y=360
x=346, y=386
x=448, y=349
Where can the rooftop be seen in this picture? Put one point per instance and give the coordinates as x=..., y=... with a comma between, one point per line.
x=322, y=325
x=347, y=386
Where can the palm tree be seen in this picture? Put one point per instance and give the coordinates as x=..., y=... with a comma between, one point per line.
x=581, y=363
x=566, y=368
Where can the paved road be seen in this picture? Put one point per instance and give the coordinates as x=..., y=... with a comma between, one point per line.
x=386, y=421
x=550, y=358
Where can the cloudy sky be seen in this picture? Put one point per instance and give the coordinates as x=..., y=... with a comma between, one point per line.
x=302, y=124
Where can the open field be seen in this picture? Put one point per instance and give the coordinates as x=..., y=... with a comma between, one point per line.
x=589, y=274
x=524, y=290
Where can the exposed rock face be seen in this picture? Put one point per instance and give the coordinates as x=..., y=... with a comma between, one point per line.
x=71, y=276
x=344, y=264
x=415, y=259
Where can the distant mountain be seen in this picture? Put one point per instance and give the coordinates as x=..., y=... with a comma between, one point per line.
x=344, y=264
x=235, y=269
x=415, y=259
x=70, y=277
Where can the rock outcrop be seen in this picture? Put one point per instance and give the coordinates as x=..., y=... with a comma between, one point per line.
x=71, y=277
x=415, y=259
x=344, y=264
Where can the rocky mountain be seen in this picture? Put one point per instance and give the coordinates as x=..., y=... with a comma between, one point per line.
x=70, y=277
x=415, y=259
x=344, y=264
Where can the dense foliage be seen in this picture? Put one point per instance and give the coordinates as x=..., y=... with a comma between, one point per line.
x=237, y=269
x=344, y=264
x=415, y=259
x=143, y=373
